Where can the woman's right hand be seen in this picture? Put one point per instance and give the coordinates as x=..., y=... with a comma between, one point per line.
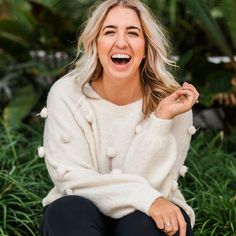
x=168, y=217
x=178, y=102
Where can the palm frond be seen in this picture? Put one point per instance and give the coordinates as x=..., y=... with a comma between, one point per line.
x=229, y=9
x=201, y=13
x=70, y=9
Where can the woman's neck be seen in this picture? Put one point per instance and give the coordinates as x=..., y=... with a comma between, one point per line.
x=118, y=92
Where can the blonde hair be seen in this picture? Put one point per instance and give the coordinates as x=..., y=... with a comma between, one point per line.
x=156, y=81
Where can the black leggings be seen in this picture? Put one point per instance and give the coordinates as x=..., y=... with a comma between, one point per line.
x=78, y=216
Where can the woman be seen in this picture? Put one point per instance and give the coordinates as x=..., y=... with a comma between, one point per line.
x=117, y=132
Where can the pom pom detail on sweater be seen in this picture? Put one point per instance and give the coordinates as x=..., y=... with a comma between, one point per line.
x=192, y=130
x=89, y=117
x=183, y=170
x=65, y=138
x=111, y=152
x=116, y=172
x=41, y=152
x=44, y=113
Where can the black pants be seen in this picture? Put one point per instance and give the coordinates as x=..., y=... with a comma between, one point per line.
x=78, y=216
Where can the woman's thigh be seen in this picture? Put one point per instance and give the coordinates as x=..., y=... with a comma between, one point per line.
x=73, y=216
x=140, y=224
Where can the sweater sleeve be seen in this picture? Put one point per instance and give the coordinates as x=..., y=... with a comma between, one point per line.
x=68, y=160
x=160, y=148
x=153, y=151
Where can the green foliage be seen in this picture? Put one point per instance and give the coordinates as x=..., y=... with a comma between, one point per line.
x=38, y=40
x=199, y=30
x=229, y=9
x=23, y=182
x=201, y=12
x=209, y=186
x=20, y=105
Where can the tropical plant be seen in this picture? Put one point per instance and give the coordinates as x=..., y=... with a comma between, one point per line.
x=204, y=32
x=37, y=41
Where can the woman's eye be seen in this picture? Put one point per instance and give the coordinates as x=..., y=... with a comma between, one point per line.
x=109, y=32
x=133, y=33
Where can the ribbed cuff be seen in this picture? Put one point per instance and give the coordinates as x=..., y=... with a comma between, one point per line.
x=144, y=198
x=159, y=126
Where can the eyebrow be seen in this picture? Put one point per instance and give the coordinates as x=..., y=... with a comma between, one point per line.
x=115, y=27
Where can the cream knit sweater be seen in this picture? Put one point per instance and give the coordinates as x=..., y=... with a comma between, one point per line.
x=110, y=154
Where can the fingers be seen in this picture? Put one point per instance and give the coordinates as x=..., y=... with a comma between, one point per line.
x=171, y=224
x=187, y=95
x=190, y=86
x=192, y=89
x=164, y=223
x=168, y=226
x=181, y=224
x=180, y=101
x=168, y=217
x=175, y=225
x=159, y=222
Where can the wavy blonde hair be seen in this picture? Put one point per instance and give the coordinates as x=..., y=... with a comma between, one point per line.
x=156, y=81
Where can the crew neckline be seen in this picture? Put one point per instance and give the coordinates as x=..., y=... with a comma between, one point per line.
x=93, y=94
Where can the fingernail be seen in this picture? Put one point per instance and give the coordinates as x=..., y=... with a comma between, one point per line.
x=185, y=83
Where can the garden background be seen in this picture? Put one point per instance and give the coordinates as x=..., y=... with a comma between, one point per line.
x=37, y=46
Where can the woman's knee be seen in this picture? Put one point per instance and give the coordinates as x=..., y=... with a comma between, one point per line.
x=71, y=213
x=137, y=223
x=69, y=208
x=70, y=205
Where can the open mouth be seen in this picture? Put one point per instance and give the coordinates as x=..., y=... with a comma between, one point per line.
x=120, y=59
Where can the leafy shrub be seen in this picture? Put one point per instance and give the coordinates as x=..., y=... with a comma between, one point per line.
x=37, y=41
x=23, y=182
x=210, y=186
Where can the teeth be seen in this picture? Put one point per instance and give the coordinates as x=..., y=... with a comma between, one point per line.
x=121, y=56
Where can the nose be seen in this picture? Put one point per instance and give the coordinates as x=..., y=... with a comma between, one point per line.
x=121, y=41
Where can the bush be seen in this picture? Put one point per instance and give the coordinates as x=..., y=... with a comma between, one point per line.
x=23, y=182
x=210, y=186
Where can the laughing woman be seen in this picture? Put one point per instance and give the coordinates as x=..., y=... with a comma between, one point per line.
x=117, y=132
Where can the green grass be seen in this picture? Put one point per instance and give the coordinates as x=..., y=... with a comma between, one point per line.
x=209, y=186
x=23, y=182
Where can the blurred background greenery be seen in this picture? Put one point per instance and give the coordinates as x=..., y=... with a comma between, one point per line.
x=38, y=40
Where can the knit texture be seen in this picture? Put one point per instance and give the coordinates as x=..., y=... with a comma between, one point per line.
x=110, y=154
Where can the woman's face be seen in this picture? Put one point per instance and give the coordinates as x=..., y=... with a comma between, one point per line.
x=121, y=44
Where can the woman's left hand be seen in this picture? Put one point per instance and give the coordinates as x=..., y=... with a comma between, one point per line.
x=168, y=217
x=178, y=102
